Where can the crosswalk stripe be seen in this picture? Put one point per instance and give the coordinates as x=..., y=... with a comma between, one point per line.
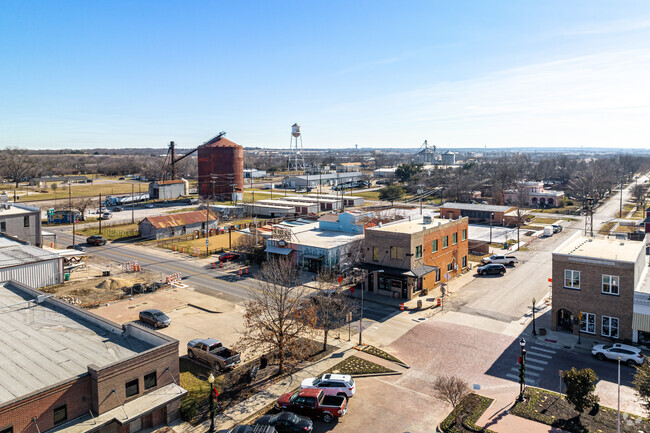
x=534, y=367
x=541, y=355
x=544, y=350
x=532, y=373
x=536, y=361
x=512, y=376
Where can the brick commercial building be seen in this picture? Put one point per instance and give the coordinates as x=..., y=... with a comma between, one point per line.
x=67, y=369
x=598, y=278
x=177, y=224
x=404, y=257
x=481, y=213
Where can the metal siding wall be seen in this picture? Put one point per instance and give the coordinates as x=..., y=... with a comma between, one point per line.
x=35, y=275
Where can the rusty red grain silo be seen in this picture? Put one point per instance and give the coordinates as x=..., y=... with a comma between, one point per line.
x=221, y=169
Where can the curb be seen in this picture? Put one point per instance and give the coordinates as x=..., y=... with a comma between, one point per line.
x=203, y=309
x=394, y=373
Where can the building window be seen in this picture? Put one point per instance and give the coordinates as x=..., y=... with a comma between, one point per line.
x=588, y=323
x=445, y=242
x=464, y=235
x=418, y=252
x=396, y=252
x=375, y=254
x=609, y=327
x=464, y=261
x=571, y=279
x=60, y=414
x=450, y=267
x=150, y=380
x=132, y=388
x=610, y=284
x=454, y=238
x=434, y=246
x=437, y=275
x=3, y=227
x=26, y=221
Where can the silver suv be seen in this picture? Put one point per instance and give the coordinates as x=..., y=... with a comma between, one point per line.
x=331, y=384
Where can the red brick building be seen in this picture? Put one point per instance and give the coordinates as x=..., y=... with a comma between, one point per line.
x=404, y=257
x=69, y=370
x=481, y=213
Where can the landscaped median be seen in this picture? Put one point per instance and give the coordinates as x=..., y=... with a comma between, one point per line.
x=553, y=409
x=372, y=350
x=464, y=416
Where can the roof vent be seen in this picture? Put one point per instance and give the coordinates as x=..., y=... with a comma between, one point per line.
x=379, y=224
x=622, y=244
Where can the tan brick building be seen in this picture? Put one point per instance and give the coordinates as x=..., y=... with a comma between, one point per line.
x=68, y=370
x=404, y=257
x=597, y=278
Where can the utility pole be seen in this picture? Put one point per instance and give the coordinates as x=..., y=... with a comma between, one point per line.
x=74, y=217
x=207, y=225
x=100, y=213
x=620, y=211
x=132, y=204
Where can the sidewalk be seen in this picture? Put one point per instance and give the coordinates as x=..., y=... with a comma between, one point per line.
x=246, y=409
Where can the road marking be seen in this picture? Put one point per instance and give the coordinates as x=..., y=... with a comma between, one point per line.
x=534, y=367
x=541, y=355
x=552, y=352
x=536, y=361
x=512, y=376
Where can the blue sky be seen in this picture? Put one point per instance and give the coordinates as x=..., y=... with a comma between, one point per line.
x=377, y=74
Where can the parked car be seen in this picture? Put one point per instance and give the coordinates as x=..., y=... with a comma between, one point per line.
x=252, y=429
x=226, y=257
x=331, y=384
x=117, y=209
x=300, y=190
x=212, y=352
x=105, y=216
x=155, y=318
x=148, y=205
x=629, y=354
x=382, y=182
x=287, y=422
x=556, y=228
x=491, y=269
x=499, y=259
x=314, y=404
x=76, y=247
x=95, y=240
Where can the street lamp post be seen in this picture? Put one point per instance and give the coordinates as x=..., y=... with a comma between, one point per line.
x=211, y=381
x=522, y=369
x=74, y=217
x=491, y=218
x=534, y=330
x=361, y=315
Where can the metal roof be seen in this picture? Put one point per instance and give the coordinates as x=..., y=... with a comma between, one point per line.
x=23, y=254
x=314, y=177
x=479, y=207
x=179, y=219
x=169, y=182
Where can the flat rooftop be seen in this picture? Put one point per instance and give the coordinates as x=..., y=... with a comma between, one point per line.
x=17, y=210
x=410, y=227
x=44, y=344
x=324, y=238
x=597, y=248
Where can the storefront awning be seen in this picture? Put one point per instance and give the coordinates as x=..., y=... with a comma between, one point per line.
x=641, y=322
x=278, y=250
x=414, y=273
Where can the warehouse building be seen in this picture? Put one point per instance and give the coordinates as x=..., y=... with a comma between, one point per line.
x=21, y=222
x=269, y=210
x=28, y=264
x=331, y=179
x=177, y=224
x=68, y=369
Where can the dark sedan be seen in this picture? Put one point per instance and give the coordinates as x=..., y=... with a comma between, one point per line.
x=287, y=422
x=491, y=269
x=155, y=318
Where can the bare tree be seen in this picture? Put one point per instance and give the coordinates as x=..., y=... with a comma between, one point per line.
x=451, y=389
x=329, y=308
x=81, y=204
x=252, y=246
x=275, y=318
x=16, y=164
x=639, y=193
x=54, y=187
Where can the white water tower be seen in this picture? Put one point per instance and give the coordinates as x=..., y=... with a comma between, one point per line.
x=296, y=161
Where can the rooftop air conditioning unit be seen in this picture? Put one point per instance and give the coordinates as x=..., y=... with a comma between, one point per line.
x=427, y=219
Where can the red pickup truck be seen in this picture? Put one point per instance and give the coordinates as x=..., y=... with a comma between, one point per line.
x=314, y=404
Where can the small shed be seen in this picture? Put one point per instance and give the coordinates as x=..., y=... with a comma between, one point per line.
x=29, y=265
x=177, y=224
x=167, y=189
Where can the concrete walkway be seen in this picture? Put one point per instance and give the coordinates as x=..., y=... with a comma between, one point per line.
x=246, y=409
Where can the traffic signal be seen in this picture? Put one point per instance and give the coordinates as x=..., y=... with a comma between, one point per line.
x=214, y=395
x=351, y=289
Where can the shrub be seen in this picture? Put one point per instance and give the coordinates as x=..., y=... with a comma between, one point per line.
x=188, y=409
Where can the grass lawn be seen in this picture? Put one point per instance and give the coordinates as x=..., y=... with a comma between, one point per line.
x=371, y=195
x=112, y=232
x=381, y=354
x=80, y=190
x=606, y=228
x=570, y=210
x=552, y=409
x=217, y=243
x=464, y=416
x=187, y=209
x=542, y=220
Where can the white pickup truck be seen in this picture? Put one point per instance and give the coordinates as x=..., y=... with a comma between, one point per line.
x=213, y=352
x=503, y=260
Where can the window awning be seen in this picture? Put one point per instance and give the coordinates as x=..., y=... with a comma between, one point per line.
x=278, y=250
x=641, y=322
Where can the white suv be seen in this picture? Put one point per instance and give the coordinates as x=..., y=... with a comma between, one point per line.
x=331, y=384
x=630, y=355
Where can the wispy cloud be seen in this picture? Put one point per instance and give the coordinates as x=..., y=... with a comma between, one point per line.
x=601, y=99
